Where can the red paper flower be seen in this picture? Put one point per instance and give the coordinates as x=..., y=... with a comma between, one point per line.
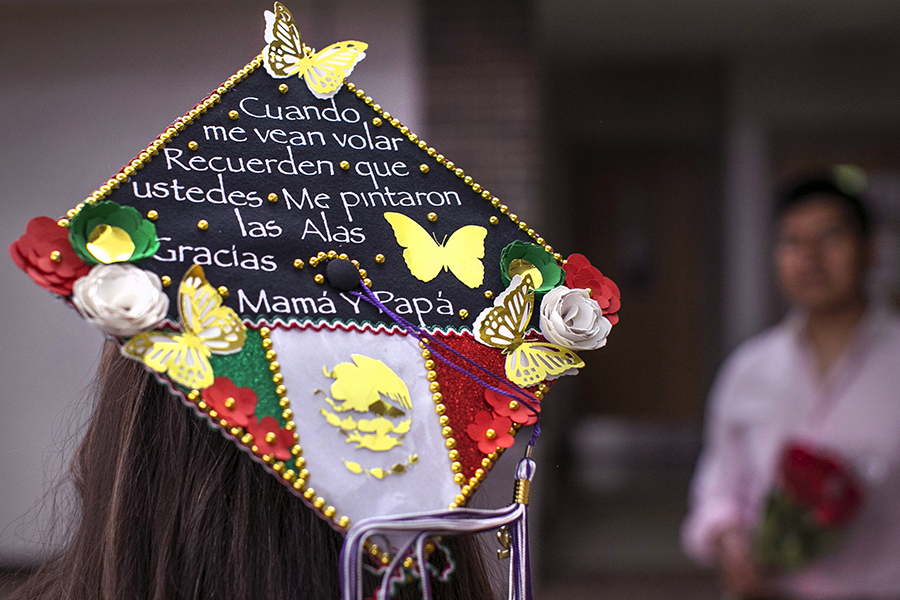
x=269, y=438
x=44, y=252
x=235, y=405
x=490, y=431
x=820, y=483
x=582, y=275
x=504, y=406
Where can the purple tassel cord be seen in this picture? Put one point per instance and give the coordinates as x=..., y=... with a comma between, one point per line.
x=443, y=523
x=514, y=393
x=419, y=527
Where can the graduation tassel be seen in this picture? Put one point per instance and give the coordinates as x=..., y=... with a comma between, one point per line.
x=419, y=527
x=520, y=558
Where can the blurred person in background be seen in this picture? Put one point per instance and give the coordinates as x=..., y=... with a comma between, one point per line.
x=797, y=490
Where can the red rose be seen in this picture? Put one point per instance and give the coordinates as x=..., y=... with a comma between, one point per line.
x=504, y=406
x=581, y=274
x=803, y=474
x=270, y=439
x=840, y=509
x=36, y=254
x=235, y=405
x=490, y=431
x=820, y=483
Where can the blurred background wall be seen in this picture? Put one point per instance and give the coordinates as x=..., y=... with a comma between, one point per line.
x=650, y=135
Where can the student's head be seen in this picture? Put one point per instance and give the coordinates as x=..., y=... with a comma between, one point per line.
x=170, y=509
x=823, y=247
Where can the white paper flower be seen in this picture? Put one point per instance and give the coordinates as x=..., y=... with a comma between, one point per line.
x=573, y=320
x=121, y=299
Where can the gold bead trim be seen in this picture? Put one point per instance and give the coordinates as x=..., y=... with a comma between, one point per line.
x=293, y=472
x=324, y=256
x=450, y=166
x=215, y=97
x=440, y=409
x=467, y=488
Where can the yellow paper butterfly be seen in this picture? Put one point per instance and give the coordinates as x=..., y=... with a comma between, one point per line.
x=425, y=256
x=286, y=55
x=207, y=328
x=503, y=326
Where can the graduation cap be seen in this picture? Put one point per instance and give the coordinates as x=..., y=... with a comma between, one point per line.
x=337, y=297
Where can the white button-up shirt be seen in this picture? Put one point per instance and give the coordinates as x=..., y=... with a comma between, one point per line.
x=767, y=394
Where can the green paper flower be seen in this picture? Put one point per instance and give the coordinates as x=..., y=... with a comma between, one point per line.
x=109, y=233
x=520, y=257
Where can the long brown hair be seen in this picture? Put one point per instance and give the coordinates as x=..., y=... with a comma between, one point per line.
x=170, y=509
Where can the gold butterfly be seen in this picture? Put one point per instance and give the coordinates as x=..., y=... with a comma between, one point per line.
x=286, y=55
x=425, y=256
x=207, y=328
x=503, y=326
